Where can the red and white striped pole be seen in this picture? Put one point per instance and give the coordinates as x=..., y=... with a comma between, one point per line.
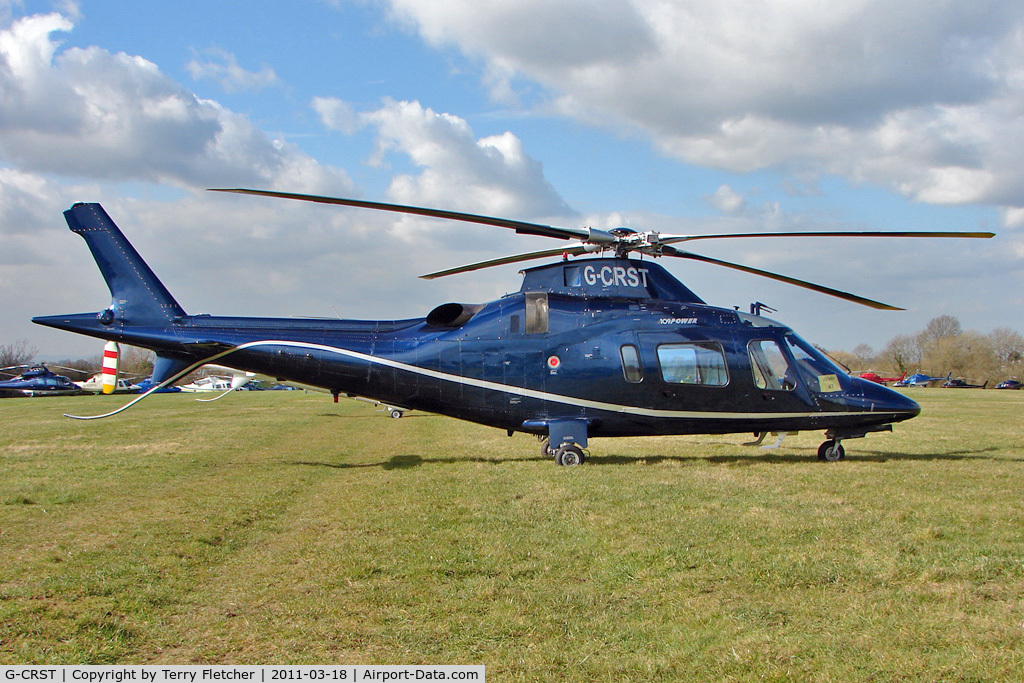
x=110, y=354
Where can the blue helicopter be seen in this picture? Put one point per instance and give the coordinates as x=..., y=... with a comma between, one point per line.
x=596, y=347
x=919, y=379
x=37, y=380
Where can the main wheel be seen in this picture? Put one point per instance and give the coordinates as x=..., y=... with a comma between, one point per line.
x=546, y=451
x=831, y=451
x=570, y=455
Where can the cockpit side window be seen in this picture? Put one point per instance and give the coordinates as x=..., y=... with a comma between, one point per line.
x=631, y=368
x=768, y=362
x=536, y=313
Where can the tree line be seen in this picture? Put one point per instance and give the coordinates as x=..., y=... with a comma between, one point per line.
x=943, y=347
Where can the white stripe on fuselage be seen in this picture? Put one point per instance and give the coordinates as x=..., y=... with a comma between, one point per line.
x=532, y=393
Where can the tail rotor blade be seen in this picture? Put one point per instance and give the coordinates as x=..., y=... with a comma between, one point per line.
x=111, y=353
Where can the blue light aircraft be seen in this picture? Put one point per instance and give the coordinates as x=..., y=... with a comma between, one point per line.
x=595, y=347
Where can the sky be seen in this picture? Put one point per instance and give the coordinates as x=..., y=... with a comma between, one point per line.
x=680, y=116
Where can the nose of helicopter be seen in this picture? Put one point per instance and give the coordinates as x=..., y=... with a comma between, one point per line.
x=882, y=399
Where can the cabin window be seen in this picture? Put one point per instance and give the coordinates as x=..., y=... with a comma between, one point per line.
x=693, y=363
x=631, y=368
x=768, y=362
x=536, y=313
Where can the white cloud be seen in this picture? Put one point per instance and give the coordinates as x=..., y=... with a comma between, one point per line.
x=222, y=66
x=491, y=175
x=920, y=97
x=336, y=114
x=728, y=201
x=1013, y=218
x=75, y=123
x=562, y=34
x=91, y=113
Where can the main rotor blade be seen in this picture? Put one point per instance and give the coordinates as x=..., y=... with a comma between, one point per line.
x=673, y=239
x=519, y=226
x=672, y=251
x=575, y=250
x=17, y=367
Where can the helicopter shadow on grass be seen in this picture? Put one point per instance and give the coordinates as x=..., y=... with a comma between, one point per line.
x=803, y=456
x=748, y=457
x=411, y=461
x=408, y=462
x=371, y=417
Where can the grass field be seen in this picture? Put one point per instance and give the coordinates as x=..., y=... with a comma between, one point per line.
x=282, y=528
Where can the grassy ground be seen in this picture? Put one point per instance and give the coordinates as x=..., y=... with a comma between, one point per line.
x=281, y=528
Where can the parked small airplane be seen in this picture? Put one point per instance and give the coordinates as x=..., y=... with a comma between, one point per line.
x=94, y=385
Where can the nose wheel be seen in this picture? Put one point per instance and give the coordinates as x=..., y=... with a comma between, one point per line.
x=831, y=451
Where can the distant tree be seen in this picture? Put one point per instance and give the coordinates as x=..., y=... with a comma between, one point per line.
x=845, y=359
x=902, y=353
x=965, y=355
x=18, y=353
x=865, y=355
x=136, y=362
x=942, y=327
x=1008, y=346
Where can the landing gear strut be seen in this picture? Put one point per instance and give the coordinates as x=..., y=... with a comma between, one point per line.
x=565, y=441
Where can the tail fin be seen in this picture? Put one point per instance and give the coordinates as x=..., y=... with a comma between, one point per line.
x=137, y=294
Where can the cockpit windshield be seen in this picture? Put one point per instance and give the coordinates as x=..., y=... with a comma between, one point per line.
x=817, y=371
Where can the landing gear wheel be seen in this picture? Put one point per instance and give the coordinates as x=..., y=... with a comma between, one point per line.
x=396, y=413
x=831, y=451
x=570, y=455
x=546, y=451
